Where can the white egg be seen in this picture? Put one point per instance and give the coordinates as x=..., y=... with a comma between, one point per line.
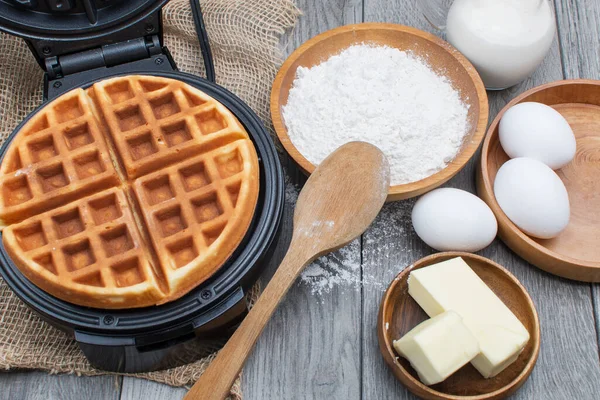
x=533, y=197
x=535, y=130
x=451, y=219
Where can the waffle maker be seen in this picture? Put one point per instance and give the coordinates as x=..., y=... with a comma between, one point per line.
x=77, y=43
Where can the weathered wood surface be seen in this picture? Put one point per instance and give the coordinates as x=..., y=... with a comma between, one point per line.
x=139, y=389
x=325, y=347
x=579, y=33
x=41, y=386
x=311, y=346
x=568, y=366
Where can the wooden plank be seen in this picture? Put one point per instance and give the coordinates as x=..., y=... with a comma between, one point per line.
x=41, y=386
x=135, y=389
x=311, y=347
x=568, y=365
x=579, y=32
x=596, y=306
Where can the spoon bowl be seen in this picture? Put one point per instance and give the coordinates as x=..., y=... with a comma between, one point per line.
x=330, y=215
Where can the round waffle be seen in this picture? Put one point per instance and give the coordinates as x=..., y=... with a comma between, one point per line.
x=127, y=194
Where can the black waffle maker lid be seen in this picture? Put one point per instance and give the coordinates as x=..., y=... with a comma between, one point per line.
x=79, y=42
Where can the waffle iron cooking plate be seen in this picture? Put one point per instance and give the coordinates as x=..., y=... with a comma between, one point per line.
x=124, y=38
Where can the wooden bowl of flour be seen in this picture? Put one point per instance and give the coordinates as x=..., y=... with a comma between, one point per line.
x=441, y=57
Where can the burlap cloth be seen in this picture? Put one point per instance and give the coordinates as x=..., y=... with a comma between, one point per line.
x=245, y=37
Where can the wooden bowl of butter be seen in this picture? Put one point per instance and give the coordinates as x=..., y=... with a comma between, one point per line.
x=390, y=127
x=459, y=281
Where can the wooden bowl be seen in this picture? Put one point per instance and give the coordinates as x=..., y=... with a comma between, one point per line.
x=575, y=253
x=443, y=58
x=399, y=313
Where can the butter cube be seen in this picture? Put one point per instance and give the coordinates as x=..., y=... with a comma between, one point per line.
x=453, y=285
x=438, y=347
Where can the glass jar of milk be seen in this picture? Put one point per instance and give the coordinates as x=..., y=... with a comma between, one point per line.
x=506, y=40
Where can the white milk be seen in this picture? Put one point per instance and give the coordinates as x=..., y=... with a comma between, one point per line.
x=506, y=40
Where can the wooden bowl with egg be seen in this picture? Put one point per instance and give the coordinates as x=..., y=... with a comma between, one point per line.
x=399, y=313
x=441, y=57
x=575, y=253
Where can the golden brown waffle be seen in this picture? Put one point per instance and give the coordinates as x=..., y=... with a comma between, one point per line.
x=154, y=123
x=90, y=251
x=127, y=194
x=59, y=156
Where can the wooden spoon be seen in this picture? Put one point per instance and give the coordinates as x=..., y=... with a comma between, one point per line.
x=338, y=203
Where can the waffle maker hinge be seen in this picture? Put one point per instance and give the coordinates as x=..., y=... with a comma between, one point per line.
x=106, y=56
x=66, y=72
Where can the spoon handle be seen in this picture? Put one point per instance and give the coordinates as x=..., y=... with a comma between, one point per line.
x=215, y=383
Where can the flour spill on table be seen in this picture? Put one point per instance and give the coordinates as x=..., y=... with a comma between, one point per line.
x=342, y=269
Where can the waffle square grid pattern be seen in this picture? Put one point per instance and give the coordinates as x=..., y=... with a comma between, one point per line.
x=127, y=194
x=61, y=155
x=152, y=126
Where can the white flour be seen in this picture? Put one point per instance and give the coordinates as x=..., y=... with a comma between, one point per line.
x=383, y=96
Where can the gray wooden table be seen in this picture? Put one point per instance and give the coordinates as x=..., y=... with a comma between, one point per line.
x=325, y=347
